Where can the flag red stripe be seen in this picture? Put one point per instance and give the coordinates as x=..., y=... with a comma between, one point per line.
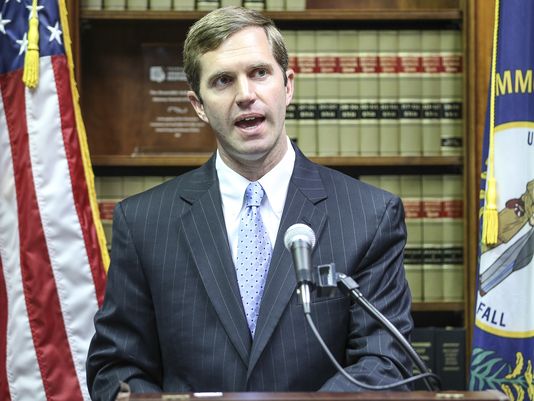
x=42, y=302
x=4, y=388
x=77, y=175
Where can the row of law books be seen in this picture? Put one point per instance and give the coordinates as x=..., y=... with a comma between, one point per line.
x=192, y=5
x=377, y=92
x=442, y=349
x=434, y=219
x=362, y=129
x=434, y=252
x=112, y=189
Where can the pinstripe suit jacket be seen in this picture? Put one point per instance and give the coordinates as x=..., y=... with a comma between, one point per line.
x=173, y=319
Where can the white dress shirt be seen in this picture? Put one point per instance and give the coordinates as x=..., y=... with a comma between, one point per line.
x=274, y=183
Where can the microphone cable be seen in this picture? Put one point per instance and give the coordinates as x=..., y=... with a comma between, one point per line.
x=352, y=379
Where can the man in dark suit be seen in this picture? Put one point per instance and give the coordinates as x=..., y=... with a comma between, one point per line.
x=178, y=315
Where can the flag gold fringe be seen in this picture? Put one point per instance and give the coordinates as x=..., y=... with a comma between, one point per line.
x=490, y=228
x=82, y=137
x=30, y=76
x=490, y=223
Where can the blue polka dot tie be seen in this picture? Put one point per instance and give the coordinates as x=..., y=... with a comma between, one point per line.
x=253, y=254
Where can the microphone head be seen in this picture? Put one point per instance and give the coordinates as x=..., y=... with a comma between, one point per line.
x=299, y=231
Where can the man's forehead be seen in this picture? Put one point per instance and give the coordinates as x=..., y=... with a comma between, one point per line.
x=248, y=47
x=249, y=36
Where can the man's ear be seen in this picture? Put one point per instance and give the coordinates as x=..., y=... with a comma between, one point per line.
x=290, y=85
x=197, y=105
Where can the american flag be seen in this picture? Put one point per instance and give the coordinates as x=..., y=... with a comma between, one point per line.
x=52, y=252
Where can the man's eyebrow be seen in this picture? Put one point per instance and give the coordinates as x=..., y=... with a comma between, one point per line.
x=254, y=66
x=218, y=74
x=261, y=65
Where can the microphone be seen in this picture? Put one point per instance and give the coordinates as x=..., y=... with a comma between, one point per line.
x=299, y=239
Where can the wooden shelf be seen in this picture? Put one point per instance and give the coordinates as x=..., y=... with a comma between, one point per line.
x=379, y=14
x=378, y=161
x=438, y=307
x=192, y=160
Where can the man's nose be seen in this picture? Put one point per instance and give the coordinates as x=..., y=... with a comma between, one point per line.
x=245, y=92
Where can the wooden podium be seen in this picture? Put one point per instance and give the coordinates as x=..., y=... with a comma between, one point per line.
x=315, y=396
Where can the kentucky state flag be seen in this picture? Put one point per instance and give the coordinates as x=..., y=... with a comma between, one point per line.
x=503, y=338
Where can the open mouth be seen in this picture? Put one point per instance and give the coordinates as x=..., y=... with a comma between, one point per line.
x=249, y=122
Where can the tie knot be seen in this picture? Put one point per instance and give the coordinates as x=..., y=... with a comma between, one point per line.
x=253, y=194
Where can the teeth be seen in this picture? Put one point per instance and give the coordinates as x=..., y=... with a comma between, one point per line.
x=249, y=118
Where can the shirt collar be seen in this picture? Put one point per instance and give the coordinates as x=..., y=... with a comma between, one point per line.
x=275, y=183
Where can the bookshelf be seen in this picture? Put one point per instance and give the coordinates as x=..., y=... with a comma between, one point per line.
x=351, y=14
x=106, y=49
x=196, y=159
x=109, y=52
x=438, y=306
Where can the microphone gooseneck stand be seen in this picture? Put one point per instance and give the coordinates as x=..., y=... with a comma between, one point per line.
x=348, y=286
x=299, y=239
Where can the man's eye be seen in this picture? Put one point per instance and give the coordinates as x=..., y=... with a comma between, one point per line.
x=223, y=80
x=260, y=72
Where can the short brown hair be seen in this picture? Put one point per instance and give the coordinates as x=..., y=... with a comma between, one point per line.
x=210, y=31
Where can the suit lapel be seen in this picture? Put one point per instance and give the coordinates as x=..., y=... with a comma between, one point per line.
x=304, y=193
x=206, y=235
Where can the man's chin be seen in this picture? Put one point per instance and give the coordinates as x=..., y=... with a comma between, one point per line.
x=261, y=150
x=254, y=155
x=253, y=151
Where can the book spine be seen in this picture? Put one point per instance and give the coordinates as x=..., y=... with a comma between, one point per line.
x=453, y=236
x=432, y=234
x=373, y=180
x=91, y=4
x=307, y=124
x=109, y=191
x=424, y=343
x=207, y=5
x=306, y=90
x=431, y=100
x=290, y=38
x=133, y=185
x=161, y=5
x=410, y=187
x=291, y=122
x=410, y=93
x=114, y=4
x=275, y=5
x=388, y=92
x=349, y=128
x=150, y=181
x=450, y=357
x=368, y=93
x=327, y=127
x=391, y=183
x=327, y=77
x=258, y=5
x=183, y=5
x=349, y=108
x=295, y=5
x=137, y=5
x=451, y=92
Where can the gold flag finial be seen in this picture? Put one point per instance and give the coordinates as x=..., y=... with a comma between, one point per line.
x=31, y=59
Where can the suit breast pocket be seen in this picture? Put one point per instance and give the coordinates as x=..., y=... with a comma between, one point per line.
x=331, y=317
x=318, y=298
